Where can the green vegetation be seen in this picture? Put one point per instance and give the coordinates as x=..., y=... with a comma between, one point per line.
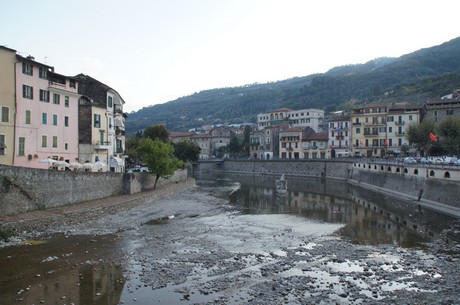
x=187, y=151
x=158, y=157
x=415, y=77
x=447, y=134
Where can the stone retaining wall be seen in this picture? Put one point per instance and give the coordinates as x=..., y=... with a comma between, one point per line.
x=25, y=189
x=434, y=183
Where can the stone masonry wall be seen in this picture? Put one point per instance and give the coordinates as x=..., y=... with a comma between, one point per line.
x=26, y=189
x=435, y=183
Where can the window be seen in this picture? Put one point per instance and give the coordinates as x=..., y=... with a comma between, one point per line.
x=410, y=117
x=450, y=111
x=66, y=146
x=72, y=84
x=44, y=96
x=56, y=99
x=66, y=101
x=2, y=144
x=44, y=141
x=101, y=137
x=5, y=114
x=55, y=144
x=55, y=118
x=358, y=130
x=42, y=73
x=27, y=92
x=97, y=121
x=27, y=116
x=44, y=118
x=22, y=146
x=27, y=68
x=109, y=102
x=66, y=121
x=390, y=129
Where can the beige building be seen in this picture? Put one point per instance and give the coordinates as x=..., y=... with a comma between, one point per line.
x=315, y=146
x=399, y=118
x=369, y=129
x=7, y=105
x=290, y=144
x=296, y=118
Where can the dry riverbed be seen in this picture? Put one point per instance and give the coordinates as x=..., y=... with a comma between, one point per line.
x=193, y=247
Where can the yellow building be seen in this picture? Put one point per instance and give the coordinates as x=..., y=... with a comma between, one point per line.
x=369, y=131
x=7, y=105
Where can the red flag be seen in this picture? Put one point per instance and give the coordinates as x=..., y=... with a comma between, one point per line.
x=433, y=137
x=386, y=141
x=361, y=142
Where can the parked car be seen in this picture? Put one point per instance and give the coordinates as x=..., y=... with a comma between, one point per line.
x=137, y=169
x=457, y=162
x=437, y=161
x=424, y=160
x=410, y=160
x=450, y=160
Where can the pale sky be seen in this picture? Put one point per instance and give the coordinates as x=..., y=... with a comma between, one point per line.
x=155, y=51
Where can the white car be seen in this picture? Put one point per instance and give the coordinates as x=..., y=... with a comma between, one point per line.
x=410, y=160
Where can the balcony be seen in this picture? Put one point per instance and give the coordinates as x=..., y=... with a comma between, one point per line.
x=399, y=134
x=102, y=145
x=371, y=134
x=339, y=137
x=357, y=124
x=400, y=123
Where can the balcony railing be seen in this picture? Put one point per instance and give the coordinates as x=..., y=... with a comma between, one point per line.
x=399, y=134
x=399, y=122
x=102, y=145
x=371, y=134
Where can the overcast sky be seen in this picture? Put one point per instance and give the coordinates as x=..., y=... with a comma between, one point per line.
x=154, y=51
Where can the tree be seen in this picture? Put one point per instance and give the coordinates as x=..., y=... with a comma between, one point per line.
x=187, y=151
x=449, y=133
x=419, y=134
x=131, y=144
x=157, y=132
x=247, y=138
x=234, y=145
x=158, y=157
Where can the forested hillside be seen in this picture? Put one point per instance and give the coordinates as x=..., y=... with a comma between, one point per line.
x=415, y=77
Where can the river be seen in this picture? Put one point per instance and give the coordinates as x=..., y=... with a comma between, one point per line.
x=236, y=240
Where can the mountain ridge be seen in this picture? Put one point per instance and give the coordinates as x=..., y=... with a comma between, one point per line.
x=410, y=77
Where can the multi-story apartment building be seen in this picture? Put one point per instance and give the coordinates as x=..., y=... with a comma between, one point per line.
x=399, y=117
x=315, y=145
x=438, y=109
x=290, y=144
x=339, y=132
x=7, y=105
x=296, y=118
x=307, y=117
x=102, y=125
x=263, y=144
x=46, y=118
x=369, y=131
x=272, y=117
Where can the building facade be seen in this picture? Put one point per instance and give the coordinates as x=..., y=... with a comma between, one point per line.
x=439, y=109
x=7, y=105
x=339, y=134
x=102, y=125
x=400, y=116
x=46, y=120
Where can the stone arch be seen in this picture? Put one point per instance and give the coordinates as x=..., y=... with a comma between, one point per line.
x=398, y=170
x=405, y=171
x=389, y=168
x=415, y=171
x=446, y=175
x=432, y=173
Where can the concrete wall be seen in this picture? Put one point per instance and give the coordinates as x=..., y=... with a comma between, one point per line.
x=434, y=184
x=25, y=189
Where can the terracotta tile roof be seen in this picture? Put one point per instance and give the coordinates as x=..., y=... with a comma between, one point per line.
x=319, y=136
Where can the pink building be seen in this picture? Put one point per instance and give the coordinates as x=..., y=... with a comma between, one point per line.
x=46, y=115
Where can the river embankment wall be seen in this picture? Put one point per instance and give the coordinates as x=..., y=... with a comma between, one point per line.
x=425, y=184
x=25, y=189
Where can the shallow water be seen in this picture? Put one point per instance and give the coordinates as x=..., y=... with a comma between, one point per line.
x=193, y=248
